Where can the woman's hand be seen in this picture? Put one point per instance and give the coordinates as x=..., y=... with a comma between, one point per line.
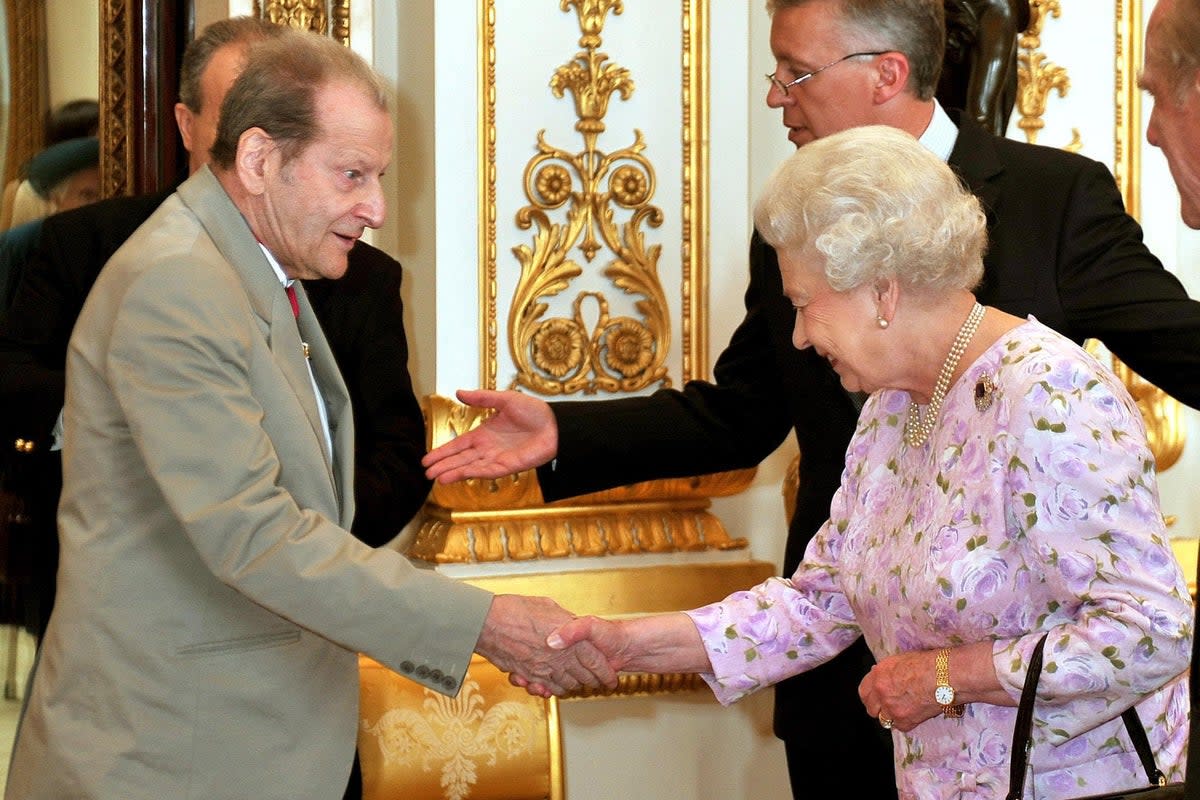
x=900, y=687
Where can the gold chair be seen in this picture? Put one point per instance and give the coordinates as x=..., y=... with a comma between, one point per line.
x=491, y=742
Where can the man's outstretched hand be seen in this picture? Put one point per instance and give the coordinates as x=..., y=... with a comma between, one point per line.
x=520, y=435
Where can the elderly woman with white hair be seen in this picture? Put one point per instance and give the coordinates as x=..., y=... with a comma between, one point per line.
x=998, y=488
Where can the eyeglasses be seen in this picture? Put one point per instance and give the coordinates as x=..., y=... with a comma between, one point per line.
x=783, y=87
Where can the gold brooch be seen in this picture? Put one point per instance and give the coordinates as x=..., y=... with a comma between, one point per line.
x=984, y=388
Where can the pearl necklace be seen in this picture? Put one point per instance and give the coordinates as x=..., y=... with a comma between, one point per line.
x=918, y=426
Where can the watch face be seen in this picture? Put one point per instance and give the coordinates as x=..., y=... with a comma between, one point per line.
x=944, y=695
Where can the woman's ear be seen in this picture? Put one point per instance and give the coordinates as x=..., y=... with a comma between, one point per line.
x=886, y=294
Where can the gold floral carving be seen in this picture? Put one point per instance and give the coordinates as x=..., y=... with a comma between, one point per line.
x=481, y=521
x=591, y=350
x=1036, y=77
x=553, y=358
x=320, y=16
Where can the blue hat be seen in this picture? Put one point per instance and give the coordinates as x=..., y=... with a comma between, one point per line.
x=60, y=161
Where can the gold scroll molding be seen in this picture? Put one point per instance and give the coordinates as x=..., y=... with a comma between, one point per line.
x=486, y=521
x=27, y=85
x=330, y=17
x=118, y=154
x=589, y=350
x=1127, y=166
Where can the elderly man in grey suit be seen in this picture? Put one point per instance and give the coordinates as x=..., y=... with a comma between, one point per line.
x=211, y=600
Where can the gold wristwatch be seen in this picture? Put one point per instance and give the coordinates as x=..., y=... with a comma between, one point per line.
x=943, y=693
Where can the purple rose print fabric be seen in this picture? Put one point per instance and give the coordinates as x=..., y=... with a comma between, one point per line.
x=1034, y=511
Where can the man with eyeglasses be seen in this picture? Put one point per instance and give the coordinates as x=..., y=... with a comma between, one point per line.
x=1061, y=248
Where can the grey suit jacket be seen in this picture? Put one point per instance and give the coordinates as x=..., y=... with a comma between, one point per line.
x=211, y=600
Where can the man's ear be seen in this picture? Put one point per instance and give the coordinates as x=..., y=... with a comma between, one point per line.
x=252, y=162
x=184, y=119
x=893, y=72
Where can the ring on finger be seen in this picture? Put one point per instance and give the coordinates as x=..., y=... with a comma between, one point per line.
x=886, y=722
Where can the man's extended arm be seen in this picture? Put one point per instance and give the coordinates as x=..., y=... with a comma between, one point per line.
x=1115, y=290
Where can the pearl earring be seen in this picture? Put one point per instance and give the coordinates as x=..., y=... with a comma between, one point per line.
x=881, y=322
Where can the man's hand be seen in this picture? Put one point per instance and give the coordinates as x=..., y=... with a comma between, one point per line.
x=521, y=435
x=514, y=639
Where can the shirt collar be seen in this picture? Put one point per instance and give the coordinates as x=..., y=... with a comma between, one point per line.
x=279, y=273
x=941, y=134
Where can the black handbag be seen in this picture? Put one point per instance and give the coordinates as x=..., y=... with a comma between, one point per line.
x=1156, y=789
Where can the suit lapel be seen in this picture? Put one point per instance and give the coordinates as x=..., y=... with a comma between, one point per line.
x=228, y=229
x=337, y=403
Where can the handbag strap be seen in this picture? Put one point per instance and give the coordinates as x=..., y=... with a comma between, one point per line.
x=1023, y=741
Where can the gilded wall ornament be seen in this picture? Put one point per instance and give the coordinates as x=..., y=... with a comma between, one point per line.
x=1037, y=77
x=575, y=201
x=319, y=16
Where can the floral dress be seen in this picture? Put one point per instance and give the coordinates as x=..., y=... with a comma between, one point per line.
x=1035, y=511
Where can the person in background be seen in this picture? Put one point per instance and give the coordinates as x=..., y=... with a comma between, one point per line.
x=22, y=201
x=64, y=176
x=211, y=600
x=1172, y=77
x=1060, y=247
x=67, y=175
x=998, y=488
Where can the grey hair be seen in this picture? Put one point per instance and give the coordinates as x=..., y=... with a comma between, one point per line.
x=877, y=205
x=1177, y=46
x=277, y=91
x=916, y=28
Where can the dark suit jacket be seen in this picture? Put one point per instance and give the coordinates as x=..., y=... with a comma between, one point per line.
x=361, y=316
x=1061, y=248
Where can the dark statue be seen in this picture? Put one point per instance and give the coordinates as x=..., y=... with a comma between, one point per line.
x=980, y=71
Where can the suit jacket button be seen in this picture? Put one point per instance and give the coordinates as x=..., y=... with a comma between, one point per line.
x=436, y=676
x=422, y=671
x=450, y=683
x=406, y=667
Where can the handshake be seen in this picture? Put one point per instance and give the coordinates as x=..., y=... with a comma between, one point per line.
x=546, y=649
